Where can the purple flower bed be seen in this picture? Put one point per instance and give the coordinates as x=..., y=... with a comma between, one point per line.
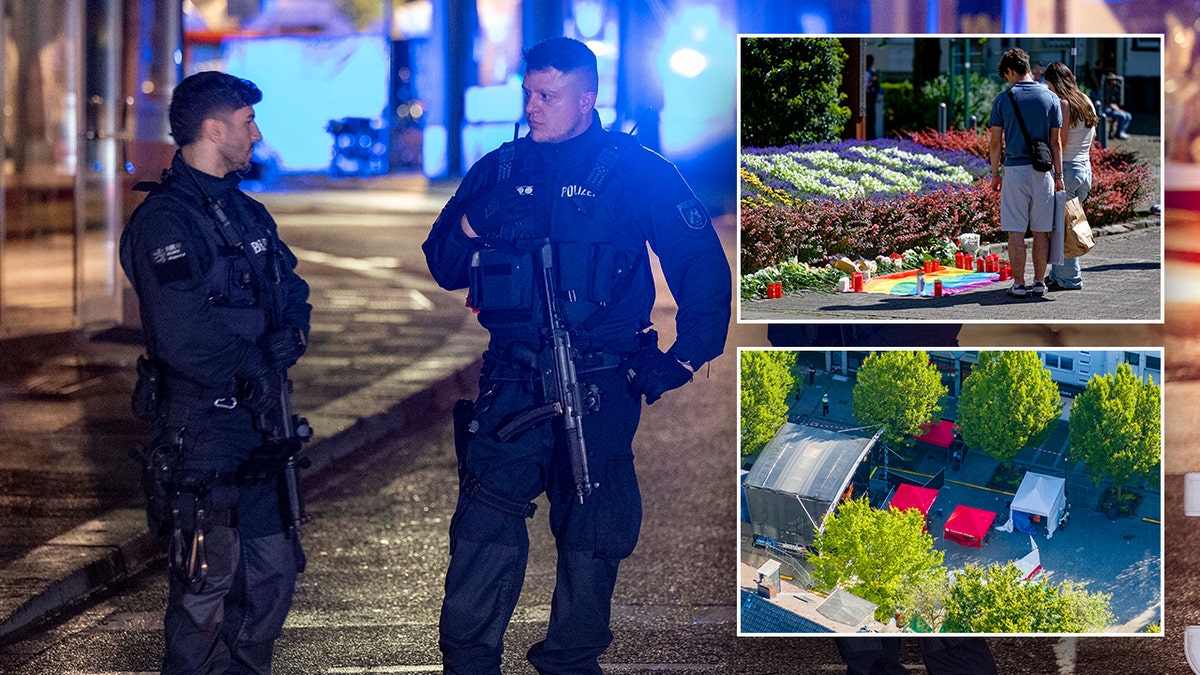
x=853, y=198
x=878, y=169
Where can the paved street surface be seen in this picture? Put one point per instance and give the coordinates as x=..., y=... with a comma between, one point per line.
x=1122, y=280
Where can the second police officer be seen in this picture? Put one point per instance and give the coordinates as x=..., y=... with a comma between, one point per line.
x=598, y=198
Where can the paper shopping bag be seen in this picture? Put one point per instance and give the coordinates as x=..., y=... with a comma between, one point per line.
x=1078, y=235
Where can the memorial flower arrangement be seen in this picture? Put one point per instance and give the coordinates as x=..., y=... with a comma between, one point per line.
x=803, y=207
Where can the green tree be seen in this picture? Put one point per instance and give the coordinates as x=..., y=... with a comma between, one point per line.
x=995, y=600
x=983, y=92
x=899, y=390
x=767, y=377
x=1008, y=401
x=1116, y=427
x=923, y=608
x=881, y=556
x=790, y=91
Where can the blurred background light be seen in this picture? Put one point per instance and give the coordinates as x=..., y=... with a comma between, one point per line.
x=688, y=62
x=308, y=82
x=696, y=63
x=589, y=17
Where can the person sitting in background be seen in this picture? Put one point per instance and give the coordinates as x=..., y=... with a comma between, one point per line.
x=1113, y=111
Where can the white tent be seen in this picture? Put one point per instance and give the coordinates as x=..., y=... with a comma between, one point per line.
x=1039, y=495
x=1031, y=564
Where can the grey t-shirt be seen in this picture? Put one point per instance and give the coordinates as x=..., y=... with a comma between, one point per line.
x=1039, y=107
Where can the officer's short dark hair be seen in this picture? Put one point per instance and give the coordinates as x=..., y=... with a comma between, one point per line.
x=564, y=55
x=1015, y=59
x=207, y=95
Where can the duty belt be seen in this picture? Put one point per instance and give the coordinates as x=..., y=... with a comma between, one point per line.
x=180, y=389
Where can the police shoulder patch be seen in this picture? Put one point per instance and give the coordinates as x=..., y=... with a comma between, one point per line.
x=693, y=214
x=170, y=263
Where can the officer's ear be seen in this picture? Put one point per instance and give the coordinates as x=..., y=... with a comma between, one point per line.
x=212, y=129
x=587, y=101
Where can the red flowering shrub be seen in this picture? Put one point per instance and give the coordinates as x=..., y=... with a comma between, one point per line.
x=964, y=140
x=819, y=231
x=1119, y=180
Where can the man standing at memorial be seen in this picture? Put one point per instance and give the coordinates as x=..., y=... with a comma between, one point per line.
x=1026, y=193
x=549, y=233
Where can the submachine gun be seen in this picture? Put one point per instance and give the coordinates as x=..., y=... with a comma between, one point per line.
x=286, y=434
x=566, y=397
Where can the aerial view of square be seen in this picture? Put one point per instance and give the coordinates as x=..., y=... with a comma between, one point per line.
x=980, y=492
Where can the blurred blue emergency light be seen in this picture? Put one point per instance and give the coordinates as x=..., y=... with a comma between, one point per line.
x=696, y=64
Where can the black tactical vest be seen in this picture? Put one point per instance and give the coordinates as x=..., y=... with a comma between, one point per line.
x=598, y=253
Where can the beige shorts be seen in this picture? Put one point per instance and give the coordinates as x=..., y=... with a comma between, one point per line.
x=1026, y=200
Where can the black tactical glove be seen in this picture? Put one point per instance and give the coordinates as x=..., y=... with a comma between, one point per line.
x=652, y=373
x=260, y=389
x=283, y=347
x=502, y=215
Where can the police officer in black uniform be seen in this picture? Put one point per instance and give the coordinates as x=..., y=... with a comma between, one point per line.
x=224, y=314
x=598, y=198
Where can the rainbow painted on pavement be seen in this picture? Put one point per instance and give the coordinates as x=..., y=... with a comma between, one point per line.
x=953, y=281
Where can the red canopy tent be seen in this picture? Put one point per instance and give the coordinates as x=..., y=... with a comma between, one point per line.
x=939, y=433
x=968, y=525
x=910, y=496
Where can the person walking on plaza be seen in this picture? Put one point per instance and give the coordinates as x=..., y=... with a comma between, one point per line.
x=1026, y=194
x=1080, y=120
x=549, y=233
x=224, y=315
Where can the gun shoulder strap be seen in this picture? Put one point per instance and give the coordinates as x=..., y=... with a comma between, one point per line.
x=508, y=155
x=594, y=182
x=601, y=170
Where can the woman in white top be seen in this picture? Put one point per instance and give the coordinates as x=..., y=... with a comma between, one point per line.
x=1080, y=120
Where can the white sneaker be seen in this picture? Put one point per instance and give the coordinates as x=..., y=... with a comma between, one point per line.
x=1191, y=647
